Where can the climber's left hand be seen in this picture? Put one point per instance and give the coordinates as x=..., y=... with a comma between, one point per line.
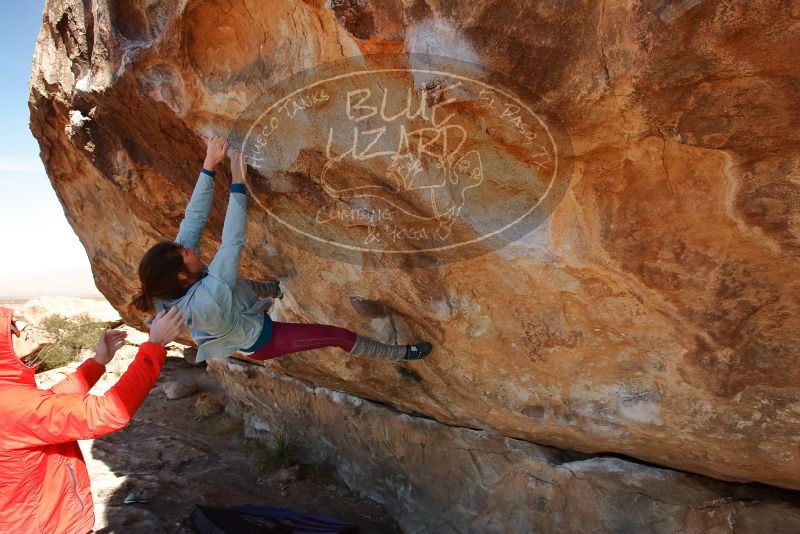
x=238, y=167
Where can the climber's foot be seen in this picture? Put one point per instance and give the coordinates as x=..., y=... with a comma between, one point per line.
x=275, y=289
x=417, y=351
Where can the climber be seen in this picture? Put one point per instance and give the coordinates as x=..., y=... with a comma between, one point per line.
x=44, y=484
x=226, y=314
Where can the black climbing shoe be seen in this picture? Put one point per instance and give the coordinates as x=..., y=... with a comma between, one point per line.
x=417, y=351
x=271, y=289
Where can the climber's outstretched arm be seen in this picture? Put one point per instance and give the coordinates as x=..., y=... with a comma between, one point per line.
x=225, y=265
x=194, y=221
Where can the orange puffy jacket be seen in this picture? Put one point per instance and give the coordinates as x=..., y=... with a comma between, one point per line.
x=44, y=485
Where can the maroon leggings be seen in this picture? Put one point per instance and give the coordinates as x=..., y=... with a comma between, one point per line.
x=296, y=337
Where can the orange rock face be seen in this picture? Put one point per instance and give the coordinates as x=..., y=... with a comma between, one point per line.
x=651, y=310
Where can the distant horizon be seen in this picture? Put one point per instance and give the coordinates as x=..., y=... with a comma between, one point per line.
x=73, y=283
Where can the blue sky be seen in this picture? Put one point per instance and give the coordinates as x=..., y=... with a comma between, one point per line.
x=37, y=237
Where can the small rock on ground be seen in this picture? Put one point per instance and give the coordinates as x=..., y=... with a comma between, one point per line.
x=179, y=389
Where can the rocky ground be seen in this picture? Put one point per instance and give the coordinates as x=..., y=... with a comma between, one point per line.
x=183, y=459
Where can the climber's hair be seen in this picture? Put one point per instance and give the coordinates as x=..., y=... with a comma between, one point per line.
x=158, y=274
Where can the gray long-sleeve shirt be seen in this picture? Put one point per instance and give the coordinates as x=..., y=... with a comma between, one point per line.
x=224, y=313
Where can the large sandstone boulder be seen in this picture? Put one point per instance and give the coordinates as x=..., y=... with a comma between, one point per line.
x=438, y=478
x=652, y=311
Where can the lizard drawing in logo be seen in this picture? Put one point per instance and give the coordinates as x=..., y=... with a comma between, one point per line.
x=423, y=180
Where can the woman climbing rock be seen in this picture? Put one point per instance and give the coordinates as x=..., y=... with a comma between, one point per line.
x=226, y=314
